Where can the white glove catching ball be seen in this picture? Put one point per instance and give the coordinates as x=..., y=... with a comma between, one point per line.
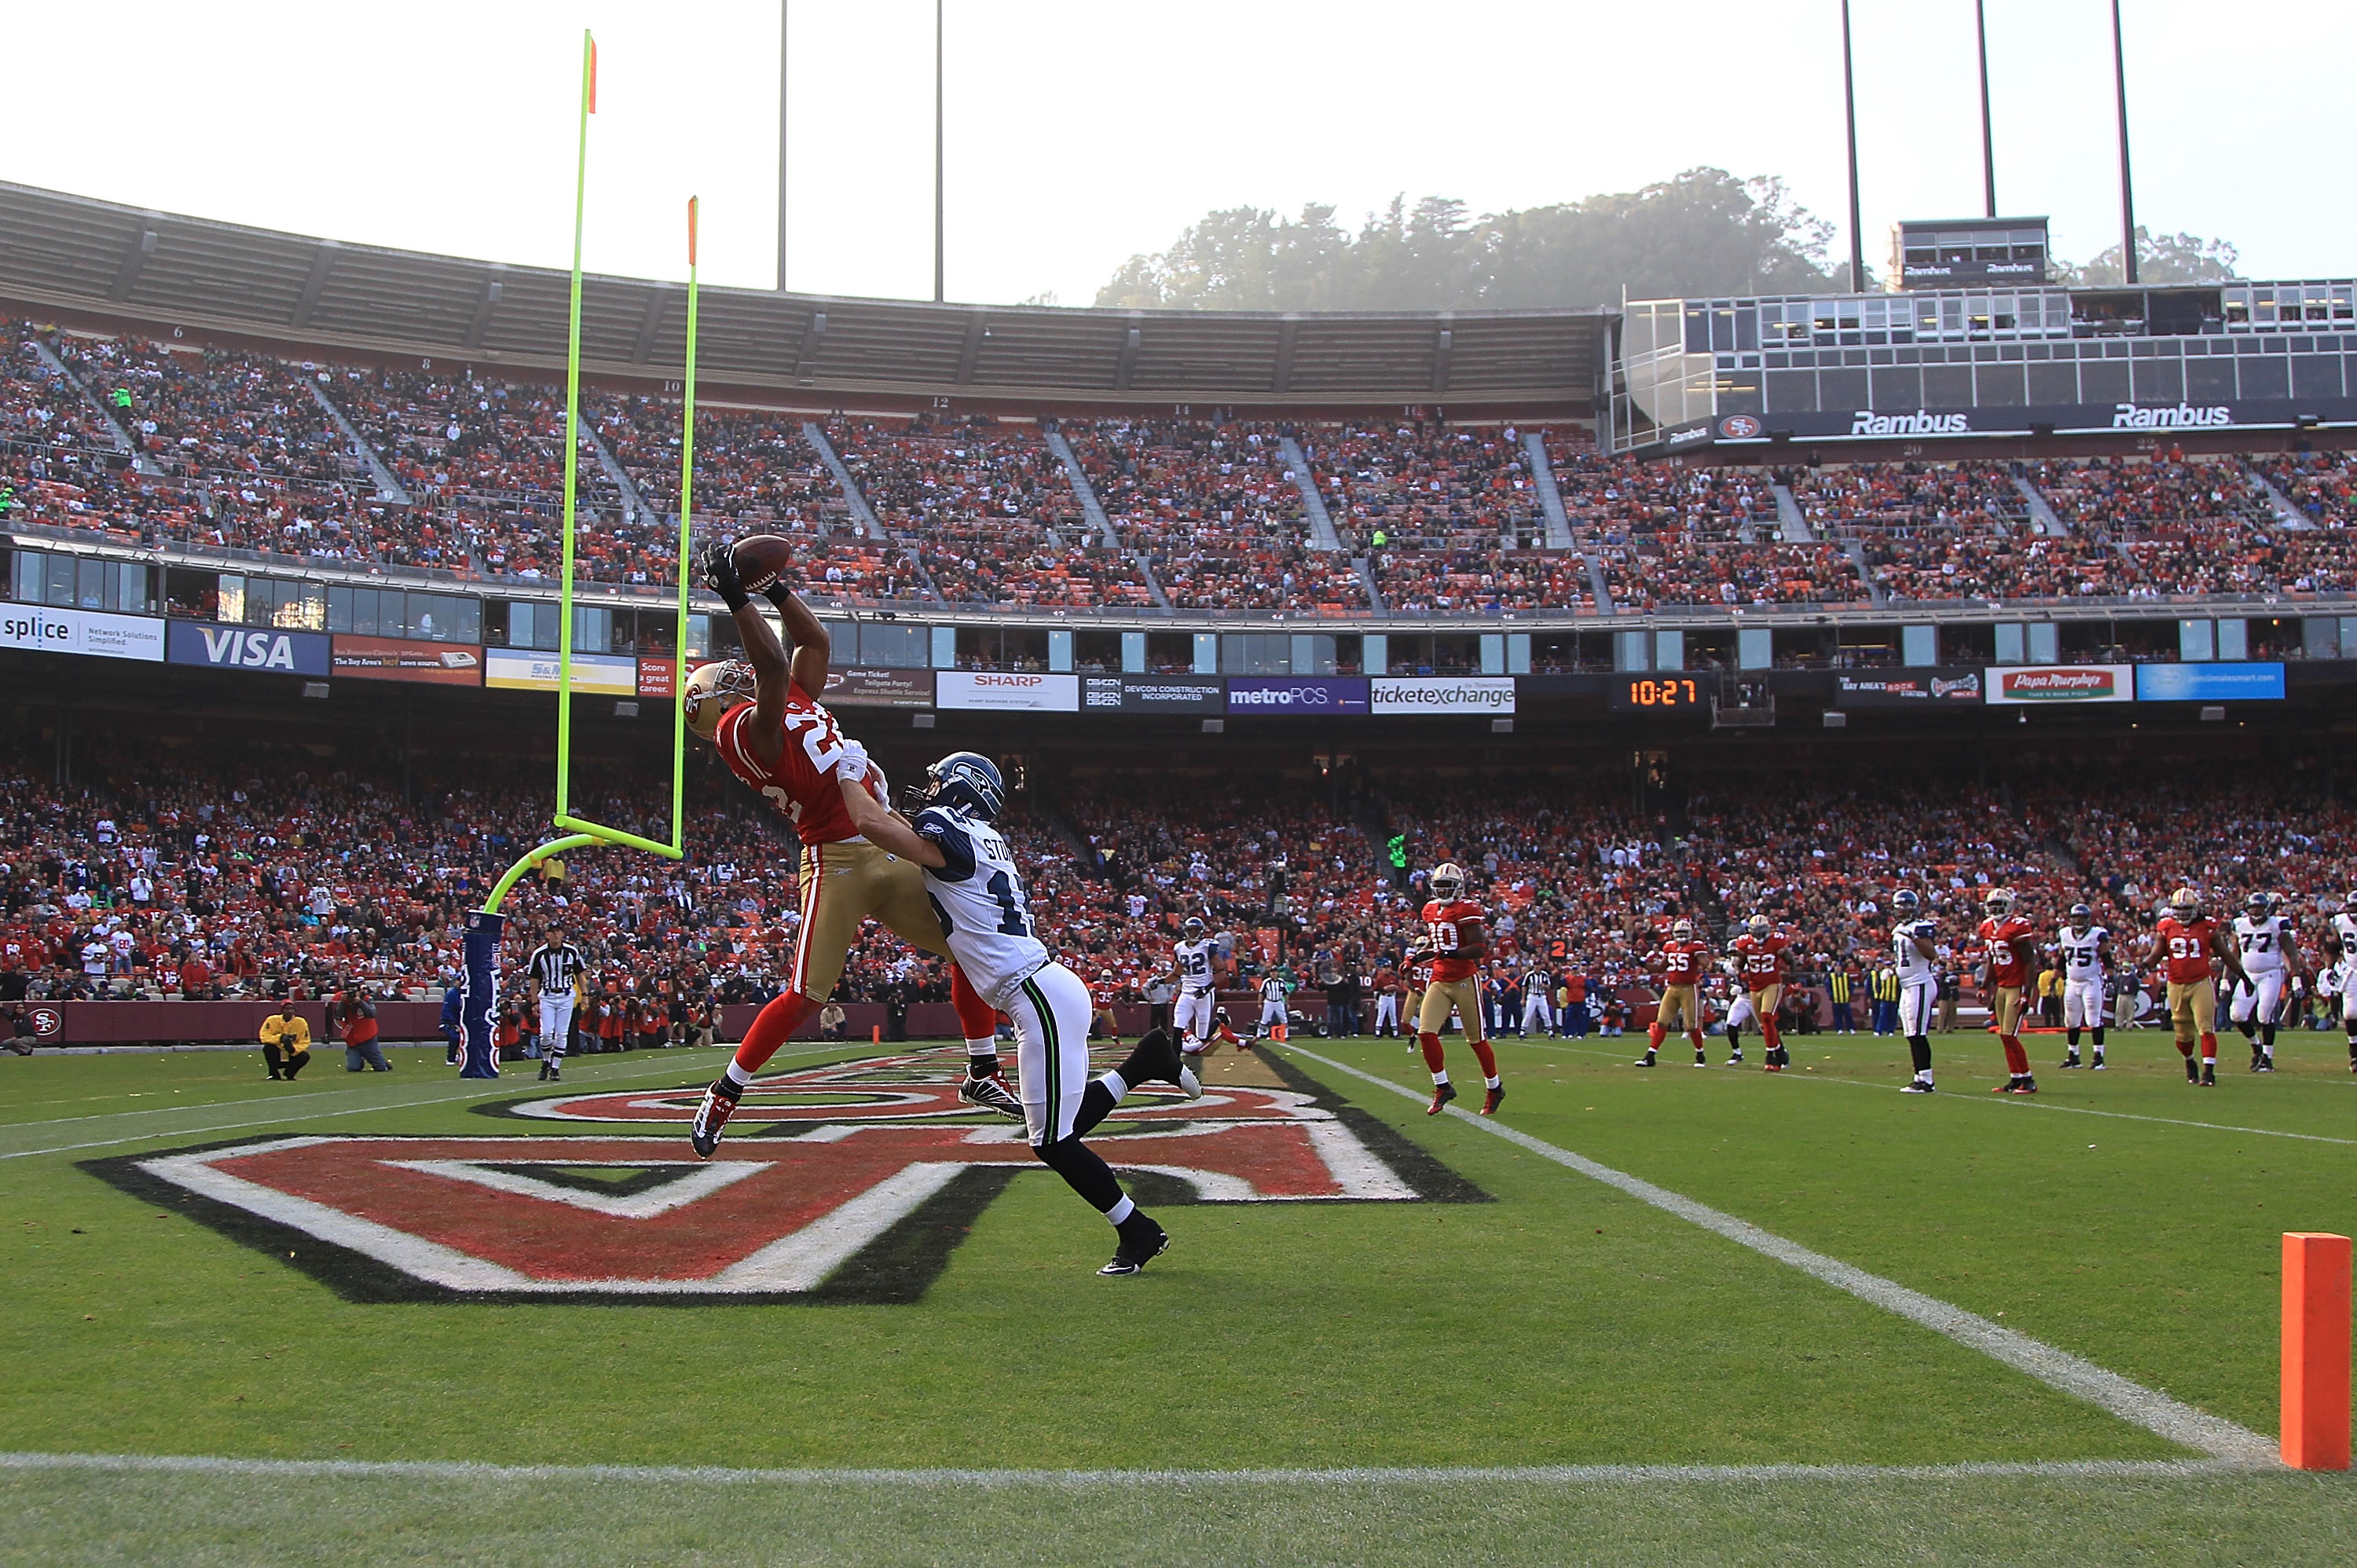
x=851, y=762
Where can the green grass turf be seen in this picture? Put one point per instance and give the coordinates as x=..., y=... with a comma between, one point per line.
x=1563, y=1323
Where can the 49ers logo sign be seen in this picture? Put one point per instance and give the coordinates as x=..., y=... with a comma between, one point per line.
x=864, y=1182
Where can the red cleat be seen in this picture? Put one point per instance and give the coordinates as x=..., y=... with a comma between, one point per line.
x=1442, y=1093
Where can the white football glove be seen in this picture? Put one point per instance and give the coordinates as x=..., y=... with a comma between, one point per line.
x=851, y=762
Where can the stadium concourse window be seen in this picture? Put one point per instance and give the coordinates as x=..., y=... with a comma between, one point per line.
x=1093, y=652
x=1002, y=648
x=1805, y=648
x=80, y=582
x=2122, y=642
x=1868, y=647
x=272, y=601
x=1968, y=642
x=1170, y=652
x=390, y=612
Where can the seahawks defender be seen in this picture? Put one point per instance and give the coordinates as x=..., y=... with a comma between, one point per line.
x=1196, y=958
x=2084, y=949
x=976, y=891
x=2340, y=941
x=2270, y=954
x=1912, y=956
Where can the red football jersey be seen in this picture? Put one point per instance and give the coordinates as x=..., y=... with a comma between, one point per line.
x=803, y=784
x=2005, y=967
x=1682, y=962
x=1761, y=959
x=2188, y=947
x=1458, y=937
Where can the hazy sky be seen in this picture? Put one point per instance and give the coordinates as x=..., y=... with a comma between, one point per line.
x=1080, y=134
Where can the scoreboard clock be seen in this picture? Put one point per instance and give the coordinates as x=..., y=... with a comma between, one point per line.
x=1663, y=693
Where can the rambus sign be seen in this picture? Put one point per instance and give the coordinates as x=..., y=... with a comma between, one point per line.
x=2061, y=683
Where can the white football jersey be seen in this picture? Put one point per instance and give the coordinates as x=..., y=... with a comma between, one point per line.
x=1196, y=965
x=2261, y=943
x=2345, y=927
x=979, y=897
x=2082, y=952
x=1910, y=964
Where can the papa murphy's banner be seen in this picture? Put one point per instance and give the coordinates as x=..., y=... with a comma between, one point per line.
x=97, y=633
x=1007, y=693
x=2060, y=685
x=866, y=688
x=594, y=675
x=1444, y=694
x=262, y=649
x=399, y=659
x=1925, y=687
x=1298, y=695
x=1153, y=694
x=2260, y=682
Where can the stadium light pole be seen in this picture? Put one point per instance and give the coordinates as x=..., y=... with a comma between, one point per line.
x=2127, y=187
x=938, y=295
x=1988, y=136
x=1849, y=106
x=782, y=6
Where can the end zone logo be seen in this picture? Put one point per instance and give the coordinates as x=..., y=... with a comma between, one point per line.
x=866, y=1178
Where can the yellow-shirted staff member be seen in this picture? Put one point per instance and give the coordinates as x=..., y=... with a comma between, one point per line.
x=286, y=1043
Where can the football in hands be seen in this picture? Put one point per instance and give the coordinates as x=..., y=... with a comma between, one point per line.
x=760, y=559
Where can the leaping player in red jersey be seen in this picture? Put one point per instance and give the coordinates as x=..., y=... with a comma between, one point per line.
x=1679, y=966
x=2011, y=945
x=763, y=715
x=1760, y=964
x=1455, y=940
x=2188, y=939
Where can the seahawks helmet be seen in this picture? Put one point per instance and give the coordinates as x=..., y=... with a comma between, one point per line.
x=2081, y=916
x=2259, y=904
x=966, y=782
x=1999, y=903
x=1759, y=925
x=1193, y=929
x=715, y=689
x=1447, y=880
x=1905, y=903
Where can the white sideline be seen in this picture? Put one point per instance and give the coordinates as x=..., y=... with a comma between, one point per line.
x=2131, y=1402
x=1370, y=1475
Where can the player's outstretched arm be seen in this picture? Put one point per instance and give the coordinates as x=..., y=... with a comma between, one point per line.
x=765, y=740
x=813, y=650
x=882, y=827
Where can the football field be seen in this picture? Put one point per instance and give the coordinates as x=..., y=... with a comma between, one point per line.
x=1677, y=1314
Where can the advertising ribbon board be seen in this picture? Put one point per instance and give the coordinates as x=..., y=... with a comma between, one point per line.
x=95, y=633
x=2058, y=685
x=1007, y=693
x=1298, y=696
x=1153, y=694
x=594, y=675
x=401, y=658
x=2209, y=683
x=1910, y=688
x=1444, y=694
x=261, y=649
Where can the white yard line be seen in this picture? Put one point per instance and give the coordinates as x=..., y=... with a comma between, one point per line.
x=701, y=1475
x=299, y=1111
x=2131, y=1402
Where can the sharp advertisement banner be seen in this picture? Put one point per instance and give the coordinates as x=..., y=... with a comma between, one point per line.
x=1298, y=695
x=1445, y=695
x=2060, y=685
x=94, y=633
x=264, y=649
x=2209, y=683
x=1922, y=687
x=1008, y=692
x=594, y=675
x=1153, y=694
x=399, y=658
x=880, y=688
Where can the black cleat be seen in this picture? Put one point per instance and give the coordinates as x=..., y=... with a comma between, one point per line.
x=1649, y=1060
x=544, y=1072
x=991, y=1093
x=1700, y=1059
x=2028, y=1085
x=2070, y=1061
x=1490, y=1101
x=1442, y=1093
x=2193, y=1072
x=2210, y=1074
x=1170, y=1063
x=1916, y=1086
x=1142, y=1241
x=2265, y=1064
x=719, y=1104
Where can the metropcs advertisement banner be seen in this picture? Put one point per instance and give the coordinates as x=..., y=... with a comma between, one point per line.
x=1298, y=695
x=259, y=649
x=94, y=633
x=1445, y=695
x=399, y=658
x=1008, y=692
x=2259, y=683
x=2060, y=685
x=594, y=675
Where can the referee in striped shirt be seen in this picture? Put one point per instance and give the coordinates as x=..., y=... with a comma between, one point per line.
x=554, y=965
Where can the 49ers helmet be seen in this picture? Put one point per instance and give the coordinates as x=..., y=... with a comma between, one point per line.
x=715, y=689
x=1759, y=925
x=2185, y=904
x=1999, y=903
x=1682, y=930
x=1447, y=879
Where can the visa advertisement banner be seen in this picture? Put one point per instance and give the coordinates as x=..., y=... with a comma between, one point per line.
x=1298, y=695
x=95, y=633
x=1007, y=693
x=261, y=649
x=2209, y=683
x=399, y=658
x=2060, y=685
x=594, y=675
x=1445, y=695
